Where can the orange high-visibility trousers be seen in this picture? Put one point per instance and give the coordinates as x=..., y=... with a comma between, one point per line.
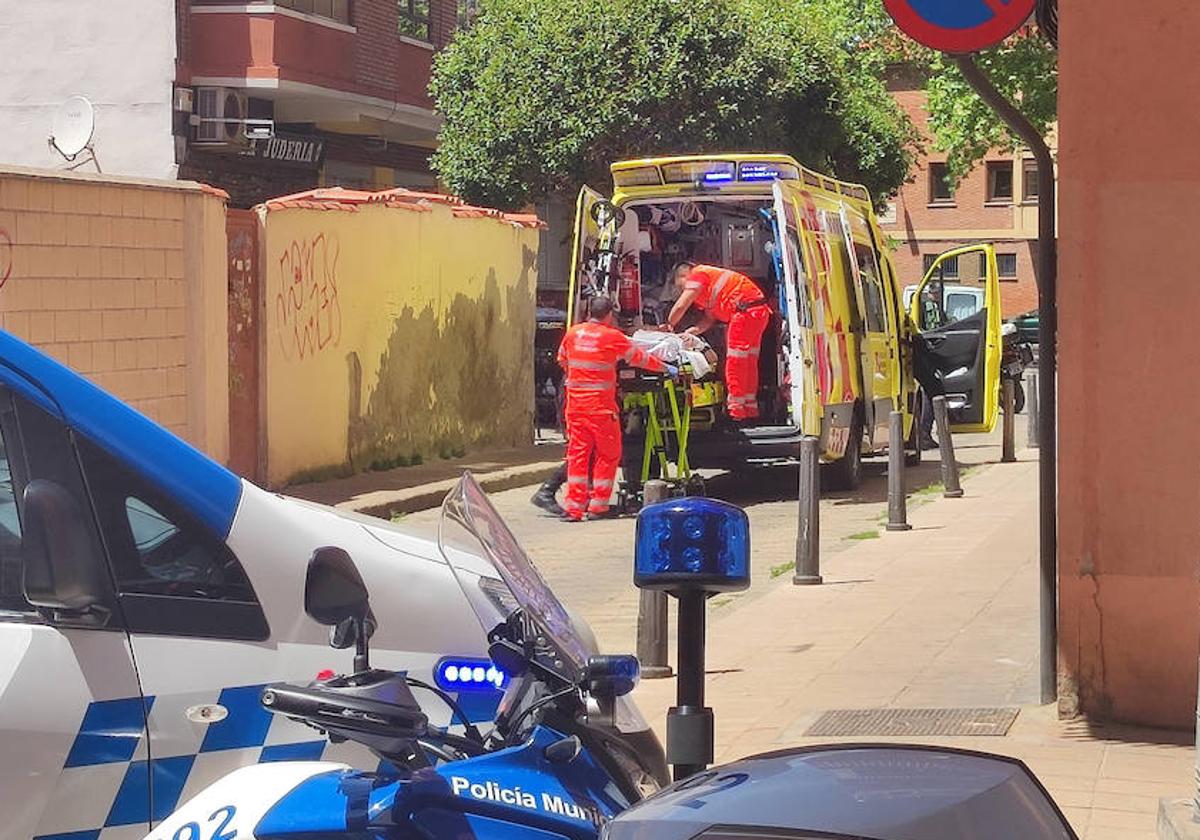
x=593, y=440
x=743, y=342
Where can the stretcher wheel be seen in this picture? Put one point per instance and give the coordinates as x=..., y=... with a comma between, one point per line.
x=694, y=486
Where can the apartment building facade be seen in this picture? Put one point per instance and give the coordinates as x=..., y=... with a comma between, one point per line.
x=258, y=97
x=996, y=202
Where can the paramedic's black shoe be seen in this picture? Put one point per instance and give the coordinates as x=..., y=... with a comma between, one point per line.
x=544, y=499
x=928, y=443
x=611, y=513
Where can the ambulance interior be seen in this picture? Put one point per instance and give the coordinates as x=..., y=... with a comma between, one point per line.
x=733, y=233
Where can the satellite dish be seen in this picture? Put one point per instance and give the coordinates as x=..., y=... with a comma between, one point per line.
x=72, y=128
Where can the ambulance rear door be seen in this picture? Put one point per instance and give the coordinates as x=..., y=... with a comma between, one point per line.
x=583, y=249
x=960, y=357
x=801, y=341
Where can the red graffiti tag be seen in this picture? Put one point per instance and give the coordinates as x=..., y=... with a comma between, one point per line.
x=310, y=317
x=6, y=256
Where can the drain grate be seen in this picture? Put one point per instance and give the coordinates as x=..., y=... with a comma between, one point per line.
x=902, y=723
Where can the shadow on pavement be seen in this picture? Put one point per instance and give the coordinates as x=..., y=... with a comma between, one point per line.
x=780, y=483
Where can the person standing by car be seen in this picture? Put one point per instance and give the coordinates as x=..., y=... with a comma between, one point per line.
x=589, y=355
x=727, y=296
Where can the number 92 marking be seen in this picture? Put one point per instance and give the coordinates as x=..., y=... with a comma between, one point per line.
x=215, y=827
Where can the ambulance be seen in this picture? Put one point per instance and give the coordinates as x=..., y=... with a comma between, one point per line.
x=841, y=352
x=147, y=595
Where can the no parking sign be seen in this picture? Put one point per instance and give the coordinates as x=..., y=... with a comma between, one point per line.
x=959, y=26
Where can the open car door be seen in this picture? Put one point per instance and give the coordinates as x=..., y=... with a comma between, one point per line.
x=583, y=251
x=958, y=349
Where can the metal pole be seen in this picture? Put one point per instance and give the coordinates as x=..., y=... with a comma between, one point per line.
x=1031, y=411
x=1047, y=280
x=808, y=534
x=897, y=486
x=689, y=721
x=652, y=610
x=1008, y=448
x=946, y=444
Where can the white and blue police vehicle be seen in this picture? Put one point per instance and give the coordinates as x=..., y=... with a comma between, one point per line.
x=147, y=595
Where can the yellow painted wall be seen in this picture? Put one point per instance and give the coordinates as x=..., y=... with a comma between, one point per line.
x=391, y=331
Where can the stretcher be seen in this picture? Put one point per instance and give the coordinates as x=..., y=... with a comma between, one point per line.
x=658, y=411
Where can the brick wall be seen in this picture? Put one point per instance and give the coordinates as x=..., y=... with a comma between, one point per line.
x=924, y=227
x=109, y=277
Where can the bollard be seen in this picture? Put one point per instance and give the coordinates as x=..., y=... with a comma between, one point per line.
x=652, y=609
x=808, y=535
x=1008, y=449
x=897, y=486
x=949, y=466
x=1031, y=410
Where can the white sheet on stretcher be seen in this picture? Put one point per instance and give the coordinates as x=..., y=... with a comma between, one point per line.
x=676, y=349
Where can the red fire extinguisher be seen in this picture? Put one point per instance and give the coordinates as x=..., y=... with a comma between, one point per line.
x=629, y=291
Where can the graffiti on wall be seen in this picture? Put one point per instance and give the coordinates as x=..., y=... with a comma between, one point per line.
x=6, y=256
x=309, y=316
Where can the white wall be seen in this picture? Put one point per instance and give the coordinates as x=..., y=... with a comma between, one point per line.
x=120, y=54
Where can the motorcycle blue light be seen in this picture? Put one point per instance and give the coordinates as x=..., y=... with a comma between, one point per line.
x=461, y=674
x=612, y=675
x=692, y=543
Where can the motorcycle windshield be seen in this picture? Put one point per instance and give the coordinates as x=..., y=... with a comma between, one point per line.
x=470, y=527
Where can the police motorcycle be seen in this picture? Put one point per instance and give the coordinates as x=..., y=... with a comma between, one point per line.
x=554, y=766
x=557, y=762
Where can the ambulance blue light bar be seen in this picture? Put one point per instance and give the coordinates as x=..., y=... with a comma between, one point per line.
x=462, y=674
x=717, y=177
x=692, y=543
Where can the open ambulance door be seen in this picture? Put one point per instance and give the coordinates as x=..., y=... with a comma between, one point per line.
x=959, y=355
x=797, y=312
x=583, y=251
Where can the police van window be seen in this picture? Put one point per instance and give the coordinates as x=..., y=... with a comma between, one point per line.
x=12, y=598
x=868, y=270
x=173, y=576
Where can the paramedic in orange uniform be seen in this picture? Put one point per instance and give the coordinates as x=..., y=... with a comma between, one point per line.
x=728, y=296
x=589, y=354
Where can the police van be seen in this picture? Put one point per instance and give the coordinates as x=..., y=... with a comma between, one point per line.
x=840, y=352
x=147, y=594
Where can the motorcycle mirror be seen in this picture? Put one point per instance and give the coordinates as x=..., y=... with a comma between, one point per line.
x=335, y=595
x=333, y=589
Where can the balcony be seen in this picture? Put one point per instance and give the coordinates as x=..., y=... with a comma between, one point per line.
x=308, y=51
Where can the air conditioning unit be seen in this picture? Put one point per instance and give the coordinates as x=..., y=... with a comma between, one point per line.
x=222, y=116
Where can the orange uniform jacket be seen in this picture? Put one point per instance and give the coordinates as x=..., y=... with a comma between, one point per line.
x=589, y=354
x=721, y=291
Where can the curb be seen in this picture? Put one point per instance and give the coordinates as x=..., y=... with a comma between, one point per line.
x=387, y=504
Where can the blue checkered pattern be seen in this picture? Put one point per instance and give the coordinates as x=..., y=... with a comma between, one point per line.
x=112, y=785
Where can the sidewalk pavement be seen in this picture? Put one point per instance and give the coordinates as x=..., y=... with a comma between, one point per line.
x=404, y=490
x=944, y=616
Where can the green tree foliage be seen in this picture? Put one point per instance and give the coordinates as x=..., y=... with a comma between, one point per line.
x=1024, y=68
x=541, y=95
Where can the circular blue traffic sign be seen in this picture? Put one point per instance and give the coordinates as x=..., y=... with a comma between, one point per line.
x=959, y=26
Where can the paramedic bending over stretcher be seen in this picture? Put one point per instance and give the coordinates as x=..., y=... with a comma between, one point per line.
x=727, y=296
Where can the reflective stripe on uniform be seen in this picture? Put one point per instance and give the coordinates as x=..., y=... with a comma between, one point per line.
x=590, y=386
x=743, y=354
x=577, y=479
x=600, y=485
x=718, y=285
x=580, y=364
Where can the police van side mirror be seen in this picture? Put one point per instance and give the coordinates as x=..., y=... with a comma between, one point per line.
x=61, y=573
x=335, y=595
